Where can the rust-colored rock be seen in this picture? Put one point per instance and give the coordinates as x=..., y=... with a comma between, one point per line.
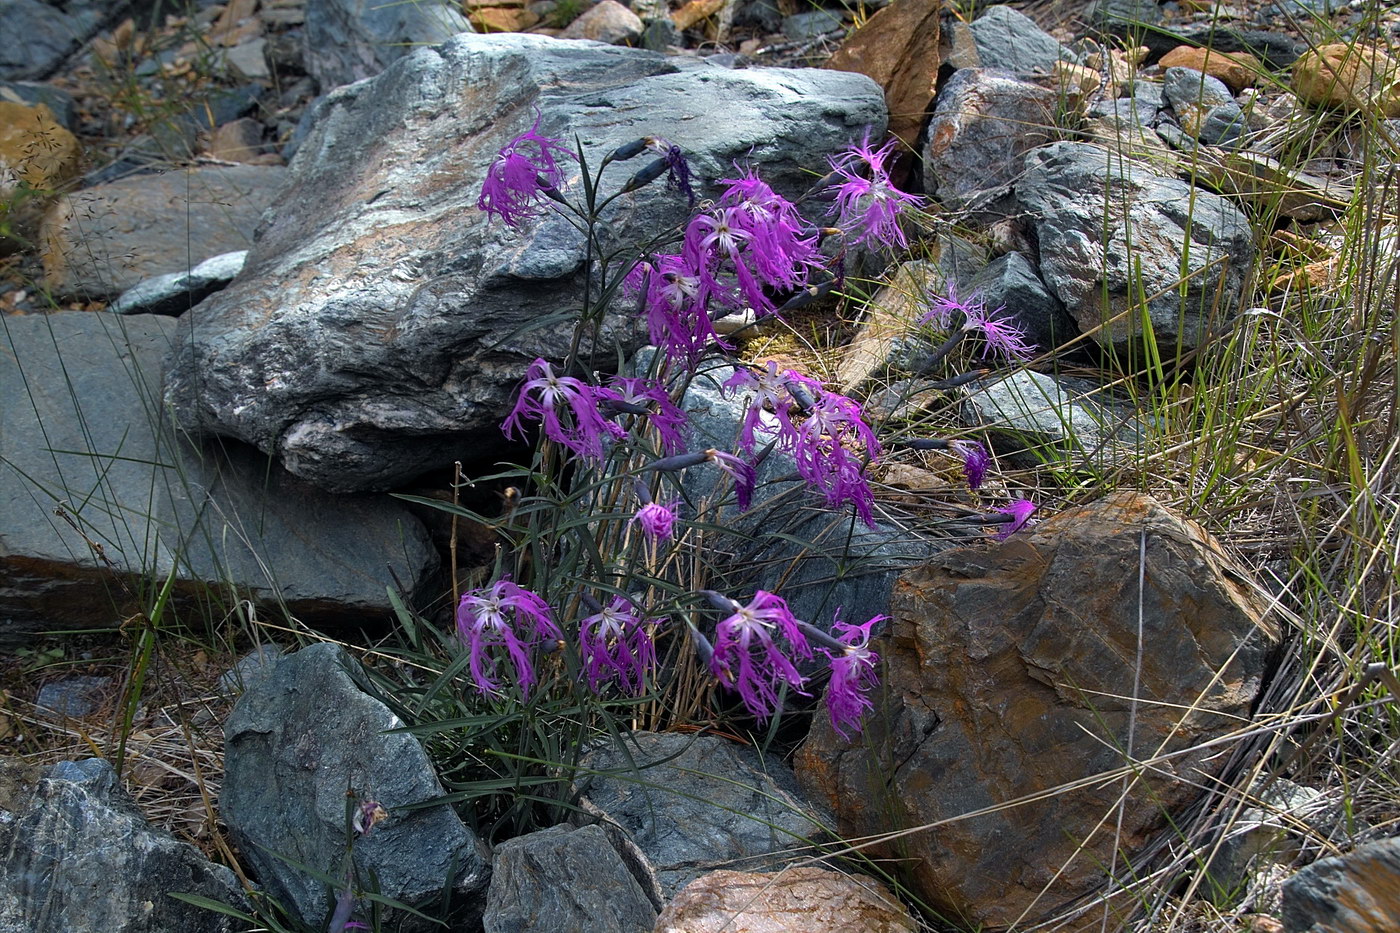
x=1237, y=69
x=1349, y=77
x=1354, y=893
x=795, y=900
x=1006, y=719
x=37, y=156
x=898, y=49
x=695, y=11
x=501, y=18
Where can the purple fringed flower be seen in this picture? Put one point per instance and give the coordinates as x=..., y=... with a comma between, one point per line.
x=677, y=291
x=616, y=645
x=975, y=461
x=1020, y=511
x=657, y=521
x=999, y=333
x=769, y=400
x=823, y=459
x=503, y=616
x=663, y=413
x=853, y=675
x=740, y=472
x=677, y=168
x=758, y=237
x=944, y=308
x=544, y=396
x=517, y=180
x=754, y=650
x=869, y=207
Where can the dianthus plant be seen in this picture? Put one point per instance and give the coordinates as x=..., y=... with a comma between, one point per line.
x=595, y=596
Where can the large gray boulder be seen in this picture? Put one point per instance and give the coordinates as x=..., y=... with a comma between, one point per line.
x=382, y=323
x=1113, y=232
x=82, y=428
x=80, y=858
x=296, y=742
x=347, y=40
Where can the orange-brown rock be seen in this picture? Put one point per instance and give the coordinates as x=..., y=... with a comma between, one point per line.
x=37, y=156
x=898, y=49
x=501, y=18
x=1349, y=77
x=795, y=900
x=1237, y=69
x=695, y=11
x=1008, y=724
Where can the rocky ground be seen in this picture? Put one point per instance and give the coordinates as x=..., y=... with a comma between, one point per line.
x=1016, y=123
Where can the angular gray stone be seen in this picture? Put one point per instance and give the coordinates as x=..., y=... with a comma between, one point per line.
x=696, y=803
x=83, y=427
x=294, y=743
x=1136, y=109
x=41, y=35
x=252, y=668
x=347, y=40
x=1187, y=87
x=101, y=241
x=1358, y=892
x=1102, y=219
x=80, y=858
x=1222, y=126
x=811, y=24
x=983, y=124
x=383, y=322
x=564, y=880
x=1011, y=41
x=1034, y=418
x=1010, y=282
x=76, y=696
x=177, y=292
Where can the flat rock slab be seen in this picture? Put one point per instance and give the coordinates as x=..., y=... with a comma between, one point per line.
x=82, y=427
x=696, y=803
x=296, y=741
x=103, y=240
x=382, y=323
x=1025, y=682
x=80, y=858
